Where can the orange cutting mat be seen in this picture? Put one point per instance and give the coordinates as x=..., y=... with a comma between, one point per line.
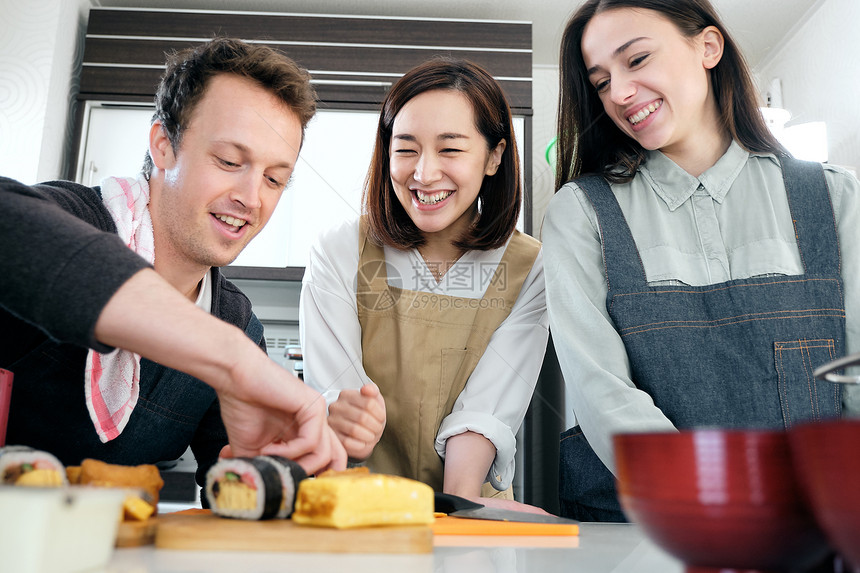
x=449, y=525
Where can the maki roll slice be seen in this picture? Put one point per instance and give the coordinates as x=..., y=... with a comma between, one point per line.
x=291, y=474
x=23, y=466
x=244, y=488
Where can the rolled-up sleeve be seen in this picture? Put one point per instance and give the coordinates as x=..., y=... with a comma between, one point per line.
x=500, y=388
x=329, y=329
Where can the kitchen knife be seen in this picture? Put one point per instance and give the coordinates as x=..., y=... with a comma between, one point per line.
x=456, y=506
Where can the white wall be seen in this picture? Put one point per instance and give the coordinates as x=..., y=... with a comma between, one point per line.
x=544, y=104
x=39, y=46
x=820, y=74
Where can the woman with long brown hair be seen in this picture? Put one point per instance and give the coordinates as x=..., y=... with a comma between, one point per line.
x=696, y=273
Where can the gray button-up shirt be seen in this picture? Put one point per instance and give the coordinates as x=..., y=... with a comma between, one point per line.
x=731, y=222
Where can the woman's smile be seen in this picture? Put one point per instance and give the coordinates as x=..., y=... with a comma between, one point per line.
x=644, y=112
x=430, y=198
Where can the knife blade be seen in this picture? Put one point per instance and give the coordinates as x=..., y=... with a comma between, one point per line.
x=456, y=506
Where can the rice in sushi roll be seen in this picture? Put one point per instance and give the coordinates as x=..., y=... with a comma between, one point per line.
x=291, y=474
x=244, y=488
x=24, y=466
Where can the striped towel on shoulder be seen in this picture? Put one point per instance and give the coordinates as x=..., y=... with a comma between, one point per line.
x=112, y=380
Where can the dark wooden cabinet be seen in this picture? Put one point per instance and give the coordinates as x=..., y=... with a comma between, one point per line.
x=352, y=58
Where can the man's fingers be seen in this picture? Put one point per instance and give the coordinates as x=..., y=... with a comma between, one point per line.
x=297, y=447
x=338, y=454
x=238, y=451
x=330, y=455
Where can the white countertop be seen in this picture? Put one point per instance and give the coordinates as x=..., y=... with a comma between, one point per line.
x=599, y=548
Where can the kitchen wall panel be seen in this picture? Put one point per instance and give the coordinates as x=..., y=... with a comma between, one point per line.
x=318, y=28
x=342, y=53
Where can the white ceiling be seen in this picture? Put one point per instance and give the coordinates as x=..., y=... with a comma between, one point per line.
x=760, y=26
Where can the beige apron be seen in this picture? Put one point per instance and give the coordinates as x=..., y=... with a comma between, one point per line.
x=420, y=349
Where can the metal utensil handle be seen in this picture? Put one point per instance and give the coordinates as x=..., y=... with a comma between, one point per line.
x=828, y=371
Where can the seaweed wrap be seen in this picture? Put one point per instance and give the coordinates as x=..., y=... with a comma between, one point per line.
x=291, y=474
x=24, y=466
x=244, y=488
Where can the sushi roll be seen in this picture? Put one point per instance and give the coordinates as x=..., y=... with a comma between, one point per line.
x=291, y=474
x=24, y=466
x=244, y=488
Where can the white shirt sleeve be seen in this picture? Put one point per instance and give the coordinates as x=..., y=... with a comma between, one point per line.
x=498, y=393
x=329, y=330
x=598, y=383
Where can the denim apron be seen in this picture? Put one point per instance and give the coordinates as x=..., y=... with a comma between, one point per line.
x=421, y=348
x=737, y=354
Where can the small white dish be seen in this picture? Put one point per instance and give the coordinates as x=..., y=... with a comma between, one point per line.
x=58, y=530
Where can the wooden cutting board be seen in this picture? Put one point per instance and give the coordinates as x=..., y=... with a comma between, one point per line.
x=136, y=533
x=203, y=531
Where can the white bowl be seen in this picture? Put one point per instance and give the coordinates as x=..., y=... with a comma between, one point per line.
x=58, y=530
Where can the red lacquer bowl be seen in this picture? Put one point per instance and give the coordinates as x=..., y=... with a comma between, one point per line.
x=827, y=461
x=719, y=499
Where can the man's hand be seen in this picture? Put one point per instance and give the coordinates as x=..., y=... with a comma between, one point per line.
x=265, y=408
x=358, y=418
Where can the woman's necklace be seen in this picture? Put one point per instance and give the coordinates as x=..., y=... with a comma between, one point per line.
x=438, y=269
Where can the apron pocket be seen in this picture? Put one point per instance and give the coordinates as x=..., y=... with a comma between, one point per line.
x=801, y=396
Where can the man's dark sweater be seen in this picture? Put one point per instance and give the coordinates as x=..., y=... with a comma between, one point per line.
x=60, y=262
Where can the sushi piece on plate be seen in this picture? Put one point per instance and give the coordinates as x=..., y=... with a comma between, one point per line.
x=291, y=474
x=24, y=466
x=244, y=488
